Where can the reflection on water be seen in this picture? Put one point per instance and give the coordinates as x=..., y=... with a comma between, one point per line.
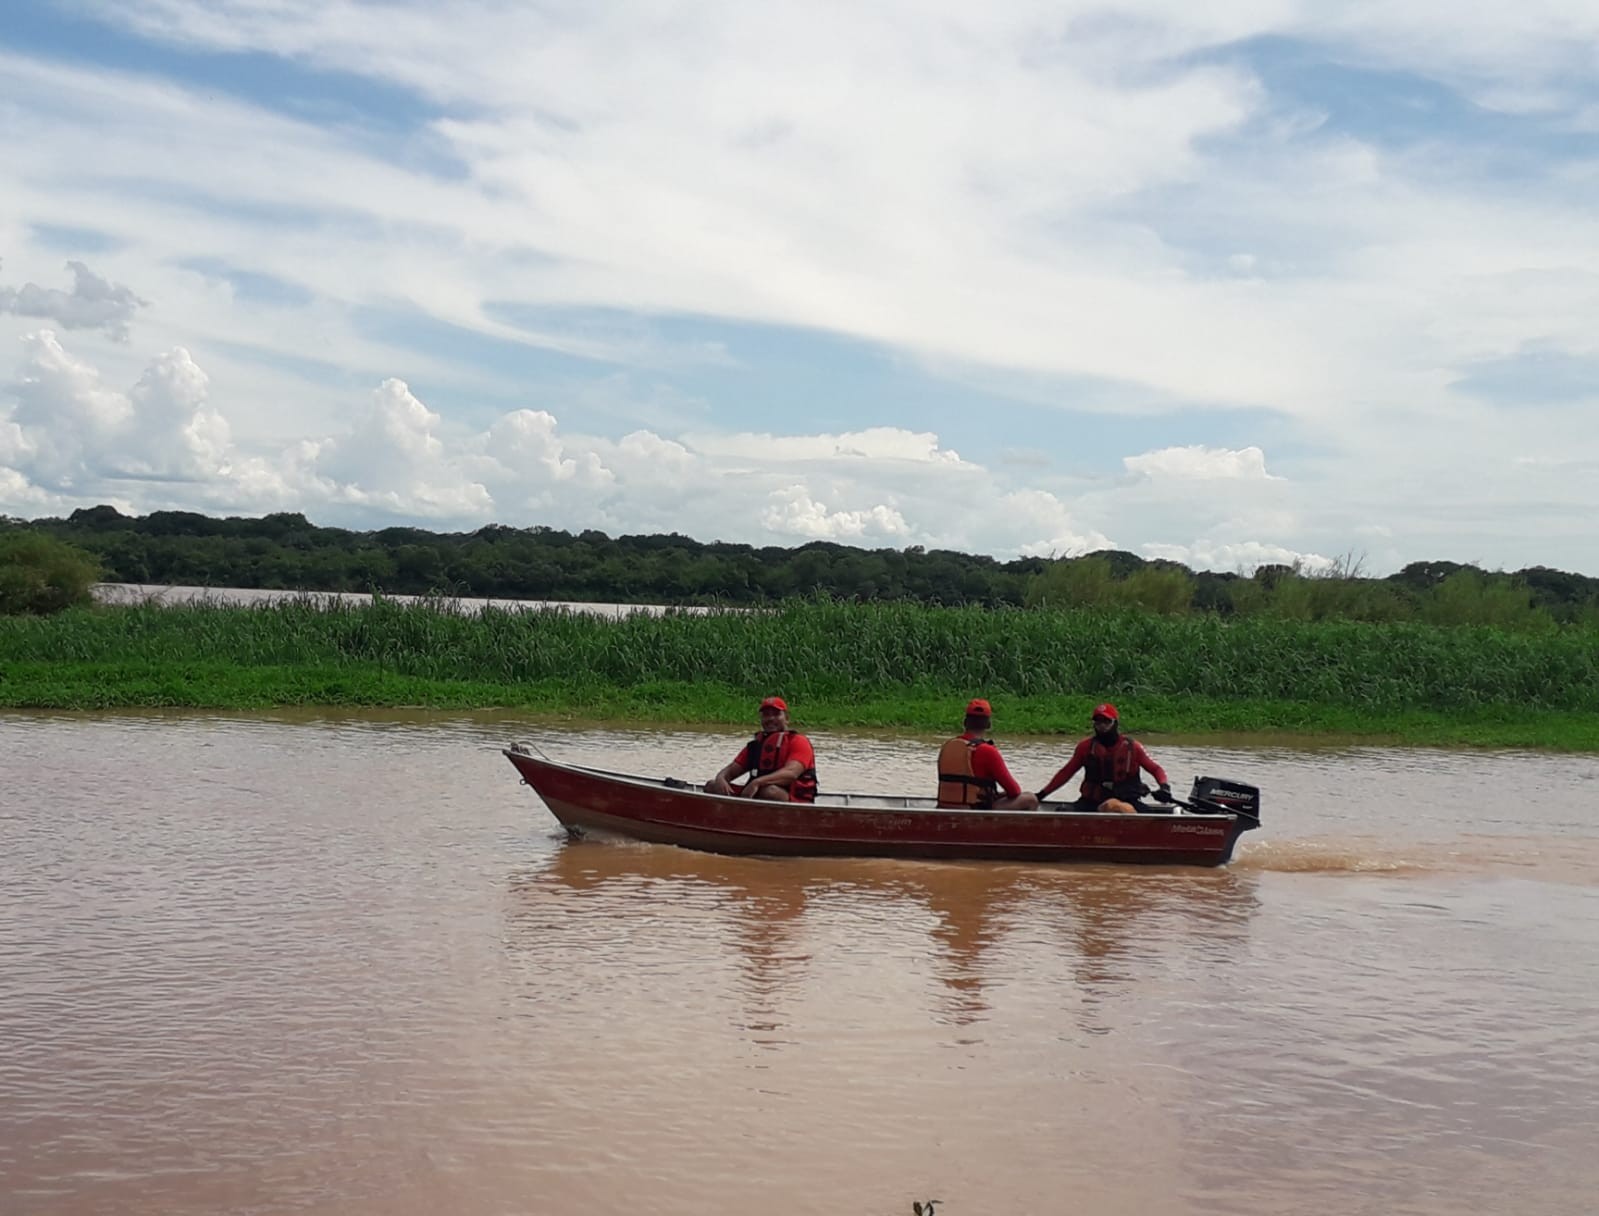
x=344, y=963
x=1096, y=920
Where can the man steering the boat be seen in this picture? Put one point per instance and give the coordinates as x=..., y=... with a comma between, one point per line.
x=1110, y=763
x=971, y=772
x=781, y=761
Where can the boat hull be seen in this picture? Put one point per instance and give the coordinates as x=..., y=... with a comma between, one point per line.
x=853, y=825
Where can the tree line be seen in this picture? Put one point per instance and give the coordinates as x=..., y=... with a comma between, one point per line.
x=286, y=551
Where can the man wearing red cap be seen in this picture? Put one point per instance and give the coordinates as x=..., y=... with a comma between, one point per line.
x=971, y=772
x=1110, y=762
x=782, y=761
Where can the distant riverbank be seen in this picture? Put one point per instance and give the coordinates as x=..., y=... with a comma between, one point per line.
x=839, y=665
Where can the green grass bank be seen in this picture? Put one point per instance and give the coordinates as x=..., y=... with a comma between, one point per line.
x=838, y=664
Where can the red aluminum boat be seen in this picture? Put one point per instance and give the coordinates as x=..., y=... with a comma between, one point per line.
x=1198, y=832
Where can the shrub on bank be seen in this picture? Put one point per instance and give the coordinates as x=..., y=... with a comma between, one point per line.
x=42, y=575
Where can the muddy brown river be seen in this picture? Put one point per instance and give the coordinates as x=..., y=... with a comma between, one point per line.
x=347, y=964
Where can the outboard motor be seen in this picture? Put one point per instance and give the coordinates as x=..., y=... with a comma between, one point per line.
x=1220, y=796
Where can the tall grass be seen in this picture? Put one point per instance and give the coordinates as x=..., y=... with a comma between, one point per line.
x=833, y=651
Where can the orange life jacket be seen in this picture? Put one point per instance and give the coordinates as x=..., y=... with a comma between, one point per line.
x=958, y=784
x=1112, y=772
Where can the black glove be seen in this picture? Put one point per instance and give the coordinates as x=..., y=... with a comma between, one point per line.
x=1163, y=794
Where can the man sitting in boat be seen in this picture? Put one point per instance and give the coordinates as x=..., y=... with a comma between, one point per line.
x=971, y=772
x=1110, y=763
x=782, y=761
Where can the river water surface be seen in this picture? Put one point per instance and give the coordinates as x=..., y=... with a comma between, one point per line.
x=348, y=964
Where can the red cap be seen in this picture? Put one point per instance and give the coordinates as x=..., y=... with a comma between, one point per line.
x=1107, y=710
x=979, y=706
x=775, y=703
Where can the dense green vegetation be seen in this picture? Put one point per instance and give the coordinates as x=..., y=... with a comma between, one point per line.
x=287, y=551
x=838, y=663
x=1436, y=653
x=40, y=574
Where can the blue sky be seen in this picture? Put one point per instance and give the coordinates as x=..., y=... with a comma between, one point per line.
x=1265, y=282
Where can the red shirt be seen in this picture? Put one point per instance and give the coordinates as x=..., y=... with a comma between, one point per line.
x=1141, y=759
x=795, y=747
x=988, y=764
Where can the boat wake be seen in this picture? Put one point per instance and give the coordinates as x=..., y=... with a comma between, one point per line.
x=1328, y=857
x=1570, y=861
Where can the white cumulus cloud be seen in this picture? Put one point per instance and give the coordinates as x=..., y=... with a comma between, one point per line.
x=392, y=460
x=1046, y=517
x=69, y=438
x=525, y=443
x=792, y=511
x=1243, y=557
x=65, y=418
x=173, y=430
x=1199, y=463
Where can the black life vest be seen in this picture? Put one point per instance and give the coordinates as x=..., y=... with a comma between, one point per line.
x=764, y=754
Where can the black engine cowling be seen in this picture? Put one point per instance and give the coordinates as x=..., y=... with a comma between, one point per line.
x=1219, y=795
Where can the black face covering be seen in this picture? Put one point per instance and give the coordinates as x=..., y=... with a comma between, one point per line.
x=1108, y=737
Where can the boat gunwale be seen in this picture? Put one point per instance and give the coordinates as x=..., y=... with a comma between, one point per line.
x=876, y=803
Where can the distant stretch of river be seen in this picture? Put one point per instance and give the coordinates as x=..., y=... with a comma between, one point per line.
x=344, y=963
x=135, y=593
